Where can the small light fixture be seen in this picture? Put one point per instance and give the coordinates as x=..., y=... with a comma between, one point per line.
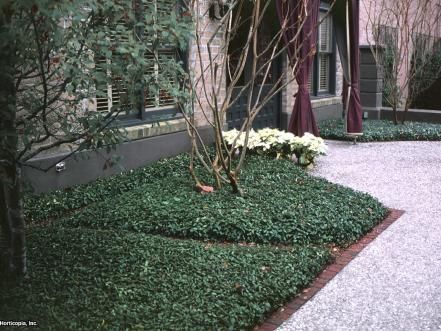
x=60, y=166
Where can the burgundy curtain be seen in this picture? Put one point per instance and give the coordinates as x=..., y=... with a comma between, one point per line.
x=302, y=118
x=344, y=93
x=355, y=114
x=350, y=59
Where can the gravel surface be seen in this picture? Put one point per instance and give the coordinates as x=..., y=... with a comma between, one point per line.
x=395, y=282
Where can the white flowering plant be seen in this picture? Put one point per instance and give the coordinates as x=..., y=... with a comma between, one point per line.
x=279, y=143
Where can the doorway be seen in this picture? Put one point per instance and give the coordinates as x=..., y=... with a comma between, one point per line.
x=270, y=114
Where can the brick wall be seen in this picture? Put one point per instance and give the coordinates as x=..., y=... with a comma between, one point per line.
x=210, y=41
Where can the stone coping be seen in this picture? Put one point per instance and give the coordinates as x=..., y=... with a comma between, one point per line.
x=325, y=101
x=156, y=129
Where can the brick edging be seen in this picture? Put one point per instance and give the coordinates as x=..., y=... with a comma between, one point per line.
x=341, y=260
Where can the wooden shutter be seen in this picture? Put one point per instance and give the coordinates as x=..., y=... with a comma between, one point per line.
x=325, y=33
x=324, y=70
x=310, y=80
x=160, y=56
x=324, y=52
x=103, y=98
x=116, y=93
x=388, y=36
x=165, y=99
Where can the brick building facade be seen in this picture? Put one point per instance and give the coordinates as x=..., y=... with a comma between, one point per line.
x=167, y=137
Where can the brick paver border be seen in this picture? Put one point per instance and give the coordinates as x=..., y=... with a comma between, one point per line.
x=341, y=260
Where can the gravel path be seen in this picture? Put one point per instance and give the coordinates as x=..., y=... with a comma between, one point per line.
x=395, y=282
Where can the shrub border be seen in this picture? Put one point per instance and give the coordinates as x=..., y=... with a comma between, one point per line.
x=341, y=260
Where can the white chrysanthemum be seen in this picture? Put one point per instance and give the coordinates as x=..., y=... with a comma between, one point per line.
x=267, y=132
x=283, y=143
x=239, y=139
x=253, y=139
x=285, y=137
x=230, y=136
x=296, y=143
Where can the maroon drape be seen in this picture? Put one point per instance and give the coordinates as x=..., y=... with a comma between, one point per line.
x=351, y=65
x=300, y=48
x=354, y=116
x=344, y=92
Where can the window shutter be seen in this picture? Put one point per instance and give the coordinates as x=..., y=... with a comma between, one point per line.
x=324, y=72
x=165, y=99
x=325, y=33
x=310, y=77
x=320, y=73
x=116, y=93
x=150, y=92
x=324, y=54
x=388, y=36
x=165, y=7
x=154, y=98
x=161, y=55
x=103, y=90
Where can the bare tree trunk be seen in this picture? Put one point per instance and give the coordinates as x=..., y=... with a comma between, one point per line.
x=216, y=172
x=14, y=198
x=215, y=80
x=5, y=233
x=394, y=110
x=11, y=201
x=13, y=225
x=406, y=108
x=11, y=216
x=234, y=182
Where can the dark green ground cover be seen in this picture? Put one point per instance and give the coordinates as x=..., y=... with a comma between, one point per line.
x=86, y=280
x=281, y=205
x=57, y=203
x=116, y=254
x=380, y=130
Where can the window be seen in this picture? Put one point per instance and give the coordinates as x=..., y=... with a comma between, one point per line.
x=322, y=76
x=425, y=63
x=387, y=36
x=152, y=101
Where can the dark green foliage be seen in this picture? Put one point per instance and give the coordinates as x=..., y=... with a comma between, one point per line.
x=98, y=46
x=374, y=130
x=62, y=60
x=97, y=265
x=282, y=204
x=114, y=280
x=391, y=91
x=57, y=203
x=427, y=67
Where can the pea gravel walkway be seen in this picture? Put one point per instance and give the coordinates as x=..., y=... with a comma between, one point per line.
x=395, y=282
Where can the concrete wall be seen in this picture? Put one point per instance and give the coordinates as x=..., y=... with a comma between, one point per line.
x=371, y=84
x=417, y=115
x=90, y=165
x=323, y=108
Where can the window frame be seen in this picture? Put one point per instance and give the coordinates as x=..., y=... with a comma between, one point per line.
x=314, y=89
x=151, y=115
